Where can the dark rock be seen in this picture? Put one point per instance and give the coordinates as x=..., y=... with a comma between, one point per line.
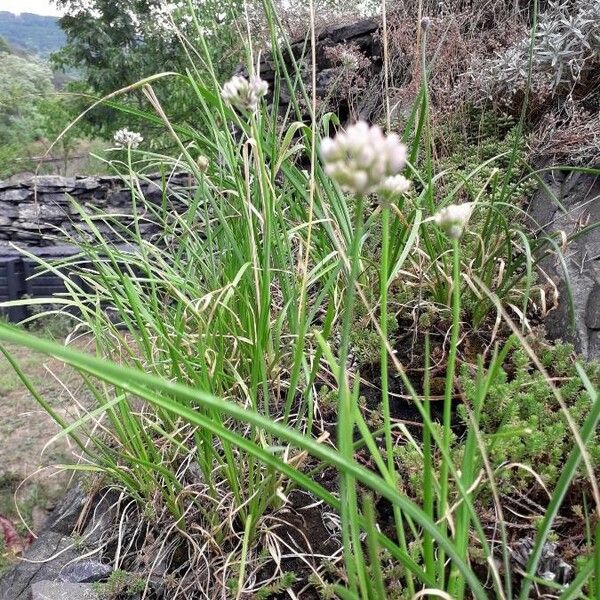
x=50, y=182
x=592, y=310
x=118, y=210
x=40, y=211
x=53, y=556
x=5, y=184
x=349, y=32
x=16, y=195
x=23, y=235
x=8, y=209
x=56, y=590
x=85, y=571
x=87, y=183
x=579, y=195
x=551, y=566
x=30, y=225
x=66, y=514
x=120, y=197
x=56, y=198
x=49, y=554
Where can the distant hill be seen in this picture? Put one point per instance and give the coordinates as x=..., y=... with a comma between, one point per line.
x=34, y=33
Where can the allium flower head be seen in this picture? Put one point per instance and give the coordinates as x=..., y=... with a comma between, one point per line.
x=362, y=158
x=202, y=162
x=244, y=94
x=454, y=218
x=393, y=186
x=349, y=60
x=127, y=139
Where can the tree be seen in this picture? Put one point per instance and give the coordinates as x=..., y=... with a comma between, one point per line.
x=4, y=47
x=115, y=43
x=23, y=85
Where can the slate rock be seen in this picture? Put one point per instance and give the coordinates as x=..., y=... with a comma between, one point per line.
x=56, y=590
x=49, y=553
x=16, y=195
x=85, y=571
x=87, y=183
x=27, y=212
x=30, y=226
x=54, y=198
x=592, y=311
x=9, y=209
x=42, y=182
x=65, y=516
x=31, y=236
x=579, y=195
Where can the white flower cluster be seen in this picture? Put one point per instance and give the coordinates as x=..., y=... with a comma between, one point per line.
x=349, y=60
x=244, y=94
x=454, y=218
x=127, y=139
x=363, y=160
x=393, y=186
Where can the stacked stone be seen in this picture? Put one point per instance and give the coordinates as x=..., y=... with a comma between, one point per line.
x=36, y=211
x=364, y=35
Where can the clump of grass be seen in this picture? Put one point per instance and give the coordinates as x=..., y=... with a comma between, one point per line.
x=121, y=584
x=212, y=344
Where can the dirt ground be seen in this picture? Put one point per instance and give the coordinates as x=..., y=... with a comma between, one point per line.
x=30, y=482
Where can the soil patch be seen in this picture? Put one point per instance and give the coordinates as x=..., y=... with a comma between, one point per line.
x=30, y=484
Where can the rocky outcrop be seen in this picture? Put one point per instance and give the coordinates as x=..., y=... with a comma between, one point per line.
x=57, y=590
x=40, y=211
x=571, y=204
x=349, y=59
x=55, y=559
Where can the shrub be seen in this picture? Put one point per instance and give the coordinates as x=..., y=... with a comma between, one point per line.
x=564, y=55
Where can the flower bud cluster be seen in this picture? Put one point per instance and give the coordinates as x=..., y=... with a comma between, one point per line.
x=244, y=94
x=363, y=160
x=454, y=218
x=393, y=186
x=127, y=139
x=202, y=163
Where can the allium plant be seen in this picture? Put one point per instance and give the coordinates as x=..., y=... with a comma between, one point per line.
x=362, y=158
x=454, y=218
x=203, y=335
x=124, y=138
x=244, y=94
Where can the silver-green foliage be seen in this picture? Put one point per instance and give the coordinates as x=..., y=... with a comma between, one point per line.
x=565, y=51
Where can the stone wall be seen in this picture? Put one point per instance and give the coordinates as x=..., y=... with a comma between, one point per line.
x=34, y=210
x=39, y=214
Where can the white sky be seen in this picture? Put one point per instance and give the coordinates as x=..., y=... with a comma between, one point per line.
x=38, y=7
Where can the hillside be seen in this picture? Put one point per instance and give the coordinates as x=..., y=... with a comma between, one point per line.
x=35, y=33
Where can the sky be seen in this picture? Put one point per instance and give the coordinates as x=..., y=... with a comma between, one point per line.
x=38, y=7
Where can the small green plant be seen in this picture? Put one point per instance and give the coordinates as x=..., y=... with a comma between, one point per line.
x=283, y=583
x=120, y=585
x=51, y=321
x=522, y=422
